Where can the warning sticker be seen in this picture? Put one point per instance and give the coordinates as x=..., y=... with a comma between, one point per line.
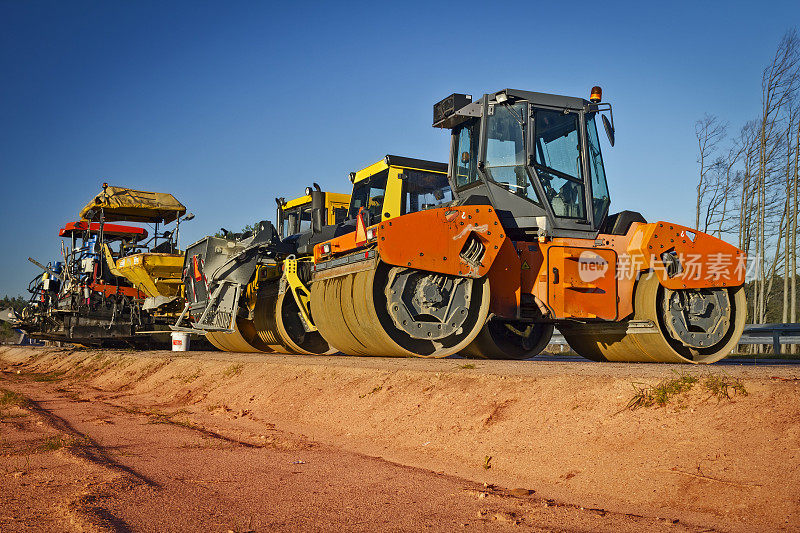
x=525, y=265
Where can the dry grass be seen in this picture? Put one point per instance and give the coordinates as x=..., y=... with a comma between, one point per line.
x=661, y=393
x=192, y=377
x=48, y=376
x=186, y=423
x=12, y=399
x=56, y=442
x=468, y=366
x=160, y=417
x=724, y=387
x=719, y=386
x=373, y=391
x=233, y=370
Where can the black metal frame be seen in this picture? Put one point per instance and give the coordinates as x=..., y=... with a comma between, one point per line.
x=506, y=202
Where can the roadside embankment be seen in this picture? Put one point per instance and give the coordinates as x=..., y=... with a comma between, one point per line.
x=723, y=453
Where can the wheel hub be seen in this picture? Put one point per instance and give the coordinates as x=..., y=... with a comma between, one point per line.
x=429, y=294
x=427, y=305
x=698, y=318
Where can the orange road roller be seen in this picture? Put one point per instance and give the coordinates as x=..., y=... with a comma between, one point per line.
x=486, y=255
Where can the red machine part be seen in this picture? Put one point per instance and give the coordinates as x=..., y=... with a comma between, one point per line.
x=113, y=290
x=110, y=230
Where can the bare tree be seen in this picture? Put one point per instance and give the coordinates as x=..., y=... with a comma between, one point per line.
x=748, y=187
x=793, y=314
x=778, y=85
x=709, y=132
x=720, y=188
x=747, y=138
x=790, y=252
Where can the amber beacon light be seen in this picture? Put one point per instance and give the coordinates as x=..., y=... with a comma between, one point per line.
x=596, y=95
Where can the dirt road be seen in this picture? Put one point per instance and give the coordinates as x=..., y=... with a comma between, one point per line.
x=154, y=441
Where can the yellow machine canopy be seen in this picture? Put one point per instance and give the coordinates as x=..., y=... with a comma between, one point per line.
x=121, y=203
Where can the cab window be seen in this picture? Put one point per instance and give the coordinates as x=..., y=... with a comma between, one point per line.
x=505, y=150
x=339, y=215
x=557, y=157
x=297, y=220
x=425, y=190
x=466, y=156
x=368, y=193
x=597, y=174
x=305, y=220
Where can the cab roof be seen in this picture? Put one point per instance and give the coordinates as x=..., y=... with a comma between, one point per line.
x=122, y=203
x=398, y=161
x=457, y=107
x=330, y=197
x=553, y=100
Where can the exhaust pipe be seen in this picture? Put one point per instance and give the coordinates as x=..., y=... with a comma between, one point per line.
x=317, y=208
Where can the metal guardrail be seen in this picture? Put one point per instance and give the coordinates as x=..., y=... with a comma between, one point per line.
x=774, y=334
x=558, y=340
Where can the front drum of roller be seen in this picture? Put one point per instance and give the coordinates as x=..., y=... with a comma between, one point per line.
x=242, y=339
x=372, y=313
x=688, y=326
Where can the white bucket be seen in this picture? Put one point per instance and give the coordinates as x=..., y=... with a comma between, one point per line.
x=180, y=341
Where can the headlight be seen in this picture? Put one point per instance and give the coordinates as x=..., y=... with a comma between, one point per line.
x=326, y=249
x=371, y=235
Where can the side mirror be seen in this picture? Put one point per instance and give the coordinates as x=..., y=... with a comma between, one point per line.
x=609, y=130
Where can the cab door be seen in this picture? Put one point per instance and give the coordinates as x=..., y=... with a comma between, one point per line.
x=556, y=157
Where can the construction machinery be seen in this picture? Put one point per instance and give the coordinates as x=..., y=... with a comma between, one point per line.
x=482, y=256
x=294, y=217
x=242, y=288
x=113, y=284
x=527, y=243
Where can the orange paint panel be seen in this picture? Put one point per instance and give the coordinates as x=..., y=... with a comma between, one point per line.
x=462, y=240
x=705, y=261
x=531, y=264
x=339, y=245
x=505, y=282
x=625, y=284
x=582, y=282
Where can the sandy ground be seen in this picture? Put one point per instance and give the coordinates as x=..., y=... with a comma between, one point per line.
x=162, y=441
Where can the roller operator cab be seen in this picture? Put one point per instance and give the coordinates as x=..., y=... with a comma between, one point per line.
x=535, y=157
x=296, y=216
x=383, y=191
x=398, y=185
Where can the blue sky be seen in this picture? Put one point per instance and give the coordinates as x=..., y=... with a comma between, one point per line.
x=230, y=104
